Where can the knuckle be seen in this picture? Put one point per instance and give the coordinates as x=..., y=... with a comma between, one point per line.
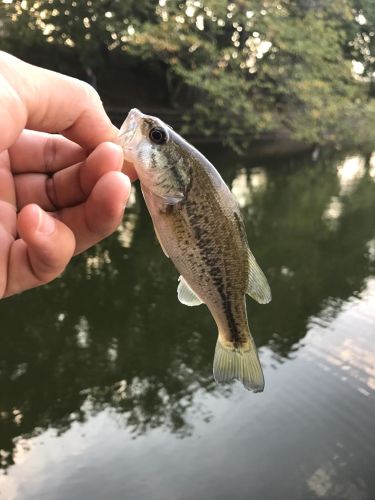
x=52, y=192
x=13, y=112
x=49, y=153
x=5, y=58
x=89, y=92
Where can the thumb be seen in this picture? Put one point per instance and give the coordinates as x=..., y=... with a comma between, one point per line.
x=44, y=249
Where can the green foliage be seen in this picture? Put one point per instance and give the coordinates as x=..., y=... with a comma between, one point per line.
x=237, y=70
x=362, y=44
x=89, y=29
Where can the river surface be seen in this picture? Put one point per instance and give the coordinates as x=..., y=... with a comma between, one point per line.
x=106, y=388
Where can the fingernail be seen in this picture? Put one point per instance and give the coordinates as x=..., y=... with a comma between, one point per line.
x=120, y=155
x=46, y=223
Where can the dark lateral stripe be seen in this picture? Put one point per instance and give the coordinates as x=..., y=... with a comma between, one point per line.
x=204, y=243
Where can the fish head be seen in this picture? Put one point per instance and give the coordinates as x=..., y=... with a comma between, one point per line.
x=158, y=154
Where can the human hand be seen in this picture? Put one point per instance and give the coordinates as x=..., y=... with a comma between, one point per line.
x=59, y=194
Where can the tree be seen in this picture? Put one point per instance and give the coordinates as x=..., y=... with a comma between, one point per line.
x=236, y=70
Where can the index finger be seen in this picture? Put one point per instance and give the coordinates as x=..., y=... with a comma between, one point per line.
x=44, y=100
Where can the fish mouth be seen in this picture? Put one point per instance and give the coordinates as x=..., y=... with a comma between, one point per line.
x=129, y=127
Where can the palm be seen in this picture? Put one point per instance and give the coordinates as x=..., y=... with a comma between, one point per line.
x=84, y=194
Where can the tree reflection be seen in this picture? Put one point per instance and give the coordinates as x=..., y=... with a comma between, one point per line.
x=110, y=332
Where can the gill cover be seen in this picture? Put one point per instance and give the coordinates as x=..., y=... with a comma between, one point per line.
x=158, y=157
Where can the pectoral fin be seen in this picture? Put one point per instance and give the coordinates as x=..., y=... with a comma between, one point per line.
x=258, y=287
x=161, y=244
x=163, y=204
x=154, y=203
x=186, y=295
x=174, y=199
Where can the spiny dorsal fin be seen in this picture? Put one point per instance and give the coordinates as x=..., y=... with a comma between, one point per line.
x=258, y=287
x=186, y=295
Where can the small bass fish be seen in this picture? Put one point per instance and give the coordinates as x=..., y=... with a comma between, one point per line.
x=199, y=226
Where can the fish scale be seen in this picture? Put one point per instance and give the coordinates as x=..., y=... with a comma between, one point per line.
x=226, y=262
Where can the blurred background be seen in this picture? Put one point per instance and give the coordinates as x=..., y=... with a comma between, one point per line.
x=106, y=385
x=219, y=70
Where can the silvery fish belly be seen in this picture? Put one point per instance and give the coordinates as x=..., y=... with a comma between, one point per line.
x=200, y=228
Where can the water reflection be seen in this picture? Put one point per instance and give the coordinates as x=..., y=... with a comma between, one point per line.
x=324, y=483
x=111, y=334
x=372, y=166
x=333, y=212
x=313, y=426
x=349, y=172
x=247, y=183
x=352, y=357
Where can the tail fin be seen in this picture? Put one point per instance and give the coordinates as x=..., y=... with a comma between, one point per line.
x=241, y=363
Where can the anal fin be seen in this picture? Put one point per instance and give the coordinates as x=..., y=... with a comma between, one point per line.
x=186, y=295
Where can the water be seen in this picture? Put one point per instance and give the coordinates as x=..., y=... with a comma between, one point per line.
x=106, y=386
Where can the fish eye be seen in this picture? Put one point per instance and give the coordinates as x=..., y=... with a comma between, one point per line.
x=158, y=135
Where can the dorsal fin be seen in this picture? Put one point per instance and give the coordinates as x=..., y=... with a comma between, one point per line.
x=257, y=287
